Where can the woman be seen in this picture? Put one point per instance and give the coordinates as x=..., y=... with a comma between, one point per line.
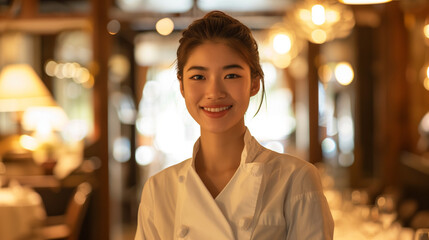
x=232, y=187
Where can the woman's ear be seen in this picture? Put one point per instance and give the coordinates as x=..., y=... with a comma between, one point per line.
x=182, y=90
x=254, y=88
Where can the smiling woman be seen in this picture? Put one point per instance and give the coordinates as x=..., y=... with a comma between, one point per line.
x=217, y=86
x=232, y=187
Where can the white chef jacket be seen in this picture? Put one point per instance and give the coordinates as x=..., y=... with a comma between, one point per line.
x=271, y=196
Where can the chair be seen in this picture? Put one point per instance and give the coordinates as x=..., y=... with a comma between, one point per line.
x=68, y=226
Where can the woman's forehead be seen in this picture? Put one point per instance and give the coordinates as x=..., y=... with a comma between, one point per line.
x=215, y=54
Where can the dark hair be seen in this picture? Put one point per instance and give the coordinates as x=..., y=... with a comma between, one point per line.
x=218, y=26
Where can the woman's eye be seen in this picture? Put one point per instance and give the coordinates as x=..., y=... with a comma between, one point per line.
x=232, y=75
x=197, y=77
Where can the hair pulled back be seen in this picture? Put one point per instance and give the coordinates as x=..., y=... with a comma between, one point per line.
x=217, y=26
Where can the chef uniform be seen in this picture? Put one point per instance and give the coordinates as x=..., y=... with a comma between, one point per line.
x=271, y=196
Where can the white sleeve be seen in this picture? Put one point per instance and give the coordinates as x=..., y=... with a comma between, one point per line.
x=146, y=229
x=307, y=212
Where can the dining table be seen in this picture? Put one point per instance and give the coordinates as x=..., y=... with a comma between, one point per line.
x=22, y=212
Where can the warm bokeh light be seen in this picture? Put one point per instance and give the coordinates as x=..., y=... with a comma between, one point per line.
x=329, y=147
x=113, y=27
x=318, y=36
x=28, y=142
x=75, y=130
x=44, y=119
x=318, y=14
x=427, y=71
x=332, y=16
x=122, y=149
x=364, y=2
x=282, y=61
x=276, y=146
x=426, y=30
x=346, y=159
x=70, y=70
x=344, y=73
x=82, y=75
x=164, y=26
x=145, y=155
x=426, y=83
x=320, y=21
x=50, y=68
x=282, y=43
x=325, y=73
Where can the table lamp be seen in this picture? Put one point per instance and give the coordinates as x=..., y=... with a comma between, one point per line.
x=20, y=88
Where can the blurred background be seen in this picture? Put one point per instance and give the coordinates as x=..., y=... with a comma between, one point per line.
x=90, y=108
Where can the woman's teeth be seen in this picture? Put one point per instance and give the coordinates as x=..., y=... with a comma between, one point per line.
x=217, y=109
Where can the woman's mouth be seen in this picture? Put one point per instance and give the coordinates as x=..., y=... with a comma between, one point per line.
x=216, y=109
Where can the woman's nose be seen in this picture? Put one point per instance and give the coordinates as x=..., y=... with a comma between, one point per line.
x=215, y=89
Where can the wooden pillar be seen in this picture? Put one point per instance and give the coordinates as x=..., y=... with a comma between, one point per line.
x=101, y=43
x=366, y=53
x=391, y=93
x=315, y=151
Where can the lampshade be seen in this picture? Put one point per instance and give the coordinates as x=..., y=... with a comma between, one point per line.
x=20, y=88
x=44, y=118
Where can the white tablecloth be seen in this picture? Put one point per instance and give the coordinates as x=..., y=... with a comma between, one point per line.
x=21, y=213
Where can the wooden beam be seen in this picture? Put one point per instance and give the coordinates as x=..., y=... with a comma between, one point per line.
x=44, y=25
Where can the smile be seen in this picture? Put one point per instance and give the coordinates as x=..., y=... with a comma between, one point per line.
x=216, y=109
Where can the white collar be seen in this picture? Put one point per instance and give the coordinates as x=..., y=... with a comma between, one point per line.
x=250, y=150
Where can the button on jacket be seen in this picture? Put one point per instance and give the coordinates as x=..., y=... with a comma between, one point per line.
x=271, y=196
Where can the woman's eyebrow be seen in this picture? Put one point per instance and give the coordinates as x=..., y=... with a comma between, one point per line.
x=232, y=66
x=201, y=68
x=196, y=68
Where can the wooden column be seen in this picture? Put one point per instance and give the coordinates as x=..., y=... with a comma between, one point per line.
x=366, y=53
x=315, y=151
x=391, y=93
x=101, y=43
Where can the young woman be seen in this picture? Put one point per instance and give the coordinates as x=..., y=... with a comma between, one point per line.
x=232, y=187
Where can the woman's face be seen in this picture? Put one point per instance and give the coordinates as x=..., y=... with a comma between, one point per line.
x=217, y=86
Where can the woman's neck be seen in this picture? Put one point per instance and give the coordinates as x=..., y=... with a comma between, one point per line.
x=220, y=152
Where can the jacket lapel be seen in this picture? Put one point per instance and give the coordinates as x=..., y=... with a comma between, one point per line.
x=197, y=213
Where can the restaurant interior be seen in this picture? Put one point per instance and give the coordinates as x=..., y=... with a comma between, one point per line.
x=90, y=108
